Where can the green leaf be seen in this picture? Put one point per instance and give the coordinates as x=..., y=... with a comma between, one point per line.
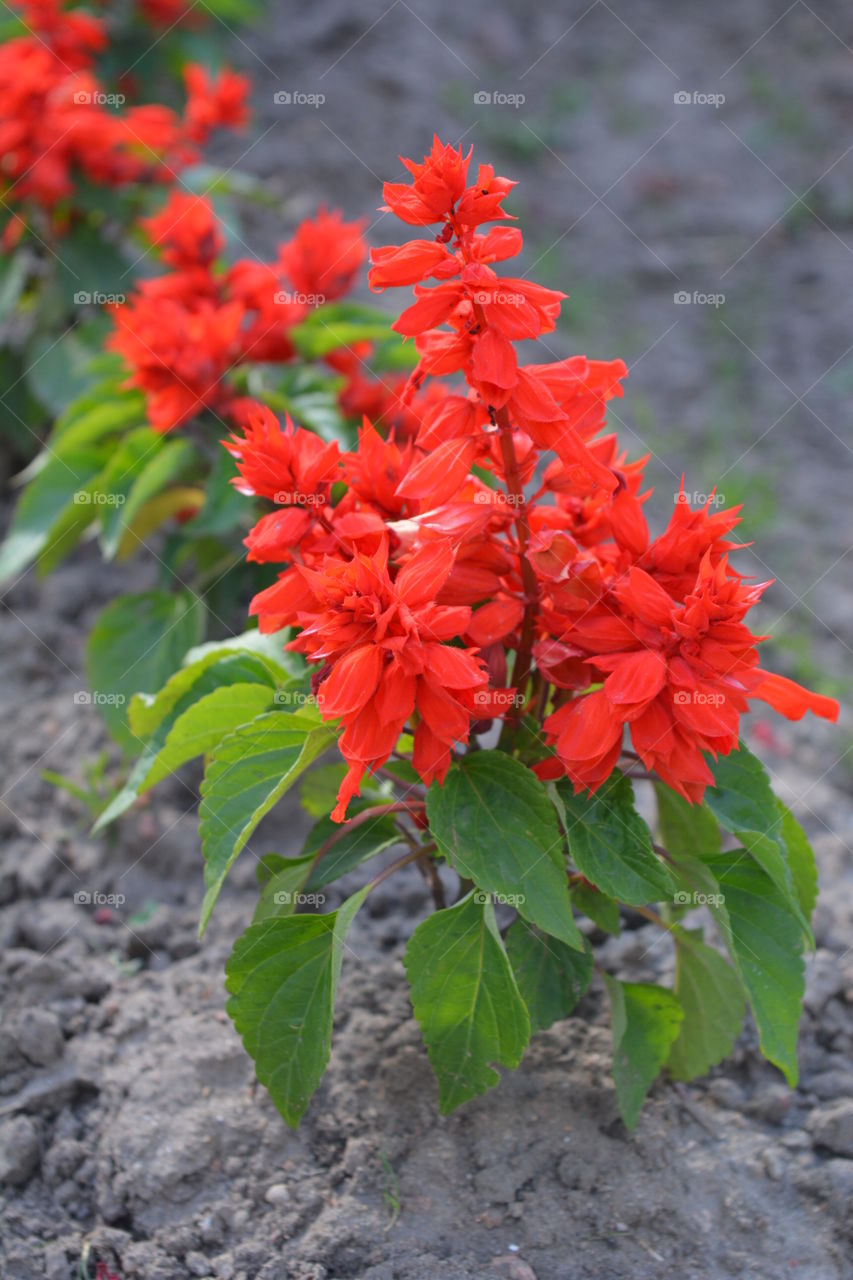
x=136, y=643
x=319, y=790
x=282, y=881
x=355, y=844
x=711, y=996
x=551, y=976
x=250, y=771
x=60, y=371
x=611, y=845
x=224, y=665
x=282, y=977
x=688, y=829
x=801, y=860
x=268, y=645
x=41, y=507
x=310, y=398
x=646, y=1021
x=224, y=508
x=602, y=910
x=494, y=823
x=743, y=802
x=154, y=471
x=340, y=325
x=466, y=999
x=106, y=411
x=193, y=733
x=765, y=942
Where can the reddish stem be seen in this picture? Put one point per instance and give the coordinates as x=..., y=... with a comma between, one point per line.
x=521, y=670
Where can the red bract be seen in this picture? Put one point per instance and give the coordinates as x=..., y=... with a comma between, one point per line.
x=435, y=541
x=59, y=124
x=182, y=333
x=381, y=643
x=324, y=256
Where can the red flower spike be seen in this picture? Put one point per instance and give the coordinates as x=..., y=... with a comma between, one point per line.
x=645, y=638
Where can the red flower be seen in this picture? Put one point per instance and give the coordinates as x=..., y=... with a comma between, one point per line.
x=434, y=536
x=383, y=646
x=293, y=467
x=185, y=231
x=324, y=256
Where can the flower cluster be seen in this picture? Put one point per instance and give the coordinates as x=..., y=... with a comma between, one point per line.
x=500, y=531
x=58, y=124
x=181, y=333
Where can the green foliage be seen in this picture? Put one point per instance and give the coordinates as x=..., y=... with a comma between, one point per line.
x=466, y=999
x=250, y=770
x=611, y=845
x=513, y=850
x=646, y=1022
x=135, y=645
x=282, y=977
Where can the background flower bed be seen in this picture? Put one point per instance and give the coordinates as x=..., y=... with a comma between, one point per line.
x=762, y=1187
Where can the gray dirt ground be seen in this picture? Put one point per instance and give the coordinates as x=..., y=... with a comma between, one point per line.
x=128, y=1120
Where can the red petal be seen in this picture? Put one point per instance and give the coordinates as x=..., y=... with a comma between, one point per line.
x=792, y=700
x=425, y=574
x=352, y=683
x=638, y=678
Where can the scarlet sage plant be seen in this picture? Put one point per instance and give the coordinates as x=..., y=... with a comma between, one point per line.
x=473, y=612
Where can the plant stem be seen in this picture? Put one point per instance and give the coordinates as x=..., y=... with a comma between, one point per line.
x=411, y=856
x=375, y=811
x=521, y=670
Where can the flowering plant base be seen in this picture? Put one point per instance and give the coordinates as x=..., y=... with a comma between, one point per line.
x=471, y=608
